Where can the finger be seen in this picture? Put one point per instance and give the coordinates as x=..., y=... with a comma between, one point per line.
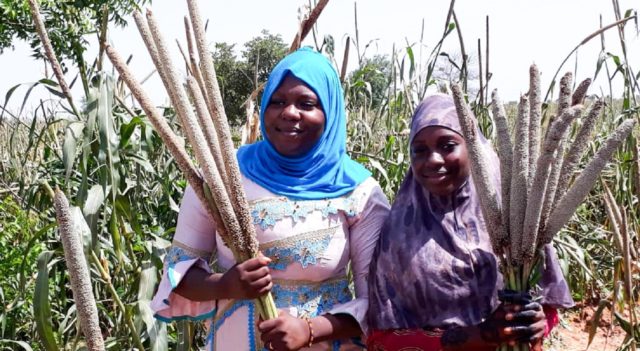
x=519, y=332
x=255, y=263
x=257, y=274
x=514, y=297
x=512, y=309
x=535, y=306
x=524, y=316
x=273, y=336
x=266, y=289
x=267, y=326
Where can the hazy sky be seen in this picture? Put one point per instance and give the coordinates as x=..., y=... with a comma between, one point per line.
x=521, y=33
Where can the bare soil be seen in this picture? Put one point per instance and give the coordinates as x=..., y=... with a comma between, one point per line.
x=573, y=332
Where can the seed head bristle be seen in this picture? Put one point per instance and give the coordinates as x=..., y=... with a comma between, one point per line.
x=505, y=153
x=535, y=202
x=236, y=190
x=519, y=179
x=486, y=191
x=577, y=149
x=564, y=100
x=76, y=263
x=581, y=92
x=570, y=201
x=535, y=119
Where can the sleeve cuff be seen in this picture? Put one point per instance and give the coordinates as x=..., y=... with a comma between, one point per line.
x=169, y=306
x=355, y=308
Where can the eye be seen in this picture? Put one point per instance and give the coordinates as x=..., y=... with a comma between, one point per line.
x=276, y=102
x=308, y=105
x=419, y=149
x=448, y=145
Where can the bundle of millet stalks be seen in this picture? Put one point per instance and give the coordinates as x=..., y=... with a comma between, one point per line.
x=201, y=112
x=217, y=183
x=539, y=191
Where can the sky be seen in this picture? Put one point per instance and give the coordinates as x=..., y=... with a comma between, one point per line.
x=521, y=33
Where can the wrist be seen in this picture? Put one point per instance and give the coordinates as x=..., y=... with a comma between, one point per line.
x=310, y=339
x=217, y=287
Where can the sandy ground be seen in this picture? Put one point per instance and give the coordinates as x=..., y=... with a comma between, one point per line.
x=573, y=333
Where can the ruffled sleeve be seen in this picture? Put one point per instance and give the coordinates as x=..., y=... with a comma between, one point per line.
x=364, y=230
x=192, y=245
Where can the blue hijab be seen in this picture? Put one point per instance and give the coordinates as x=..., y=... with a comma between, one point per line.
x=325, y=171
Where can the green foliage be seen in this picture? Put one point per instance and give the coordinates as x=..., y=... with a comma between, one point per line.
x=22, y=239
x=262, y=53
x=370, y=82
x=239, y=78
x=115, y=168
x=68, y=23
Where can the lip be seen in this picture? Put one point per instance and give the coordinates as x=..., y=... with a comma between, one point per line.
x=290, y=131
x=435, y=177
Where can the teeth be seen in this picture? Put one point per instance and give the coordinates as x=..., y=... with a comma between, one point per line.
x=290, y=131
x=436, y=175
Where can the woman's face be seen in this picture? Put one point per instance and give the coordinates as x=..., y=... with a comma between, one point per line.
x=294, y=120
x=439, y=160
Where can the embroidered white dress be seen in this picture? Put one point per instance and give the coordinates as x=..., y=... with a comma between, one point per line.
x=310, y=242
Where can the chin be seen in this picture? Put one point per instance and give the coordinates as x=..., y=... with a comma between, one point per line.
x=289, y=152
x=439, y=190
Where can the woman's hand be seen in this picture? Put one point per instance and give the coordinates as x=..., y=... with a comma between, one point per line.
x=514, y=323
x=531, y=321
x=517, y=319
x=249, y=279
x=285, y=333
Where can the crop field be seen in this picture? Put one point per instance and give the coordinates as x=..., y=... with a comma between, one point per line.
x=101, y=150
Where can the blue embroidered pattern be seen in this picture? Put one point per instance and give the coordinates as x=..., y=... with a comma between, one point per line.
x=311, y=299
x=268, y=211
x=180, y=253
x=217, y=322
x=177, y=255
x=304, y=248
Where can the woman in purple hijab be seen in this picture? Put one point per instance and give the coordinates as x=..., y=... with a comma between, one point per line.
x=434, y=279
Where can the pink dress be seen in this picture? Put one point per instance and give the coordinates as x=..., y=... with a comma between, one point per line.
x=311, y=243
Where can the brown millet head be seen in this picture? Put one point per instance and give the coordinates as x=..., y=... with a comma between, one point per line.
x=76, y=263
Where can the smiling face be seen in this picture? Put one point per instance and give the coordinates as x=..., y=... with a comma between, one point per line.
x=294, y=120
x=439, y=160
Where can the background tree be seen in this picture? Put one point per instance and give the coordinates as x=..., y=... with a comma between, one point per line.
x=68, y=23
x=238, y=78
x=369, y=83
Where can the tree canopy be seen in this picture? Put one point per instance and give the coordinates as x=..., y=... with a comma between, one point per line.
x=68, y=22
x=238, y=78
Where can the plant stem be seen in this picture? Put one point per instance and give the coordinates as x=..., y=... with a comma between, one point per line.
x=127, y=316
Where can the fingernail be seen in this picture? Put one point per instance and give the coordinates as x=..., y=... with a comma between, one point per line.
x=508, y=316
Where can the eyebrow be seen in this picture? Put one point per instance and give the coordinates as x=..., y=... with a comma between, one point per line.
x=447, y=138
x=309, y=96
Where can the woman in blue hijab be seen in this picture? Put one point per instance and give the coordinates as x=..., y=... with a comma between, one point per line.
x=322, y=169
x=315, y=210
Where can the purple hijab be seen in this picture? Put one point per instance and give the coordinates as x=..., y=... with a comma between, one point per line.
x=433, y=266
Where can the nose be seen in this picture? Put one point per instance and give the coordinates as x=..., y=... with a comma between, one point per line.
x=290, y=112
x=435, y=159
